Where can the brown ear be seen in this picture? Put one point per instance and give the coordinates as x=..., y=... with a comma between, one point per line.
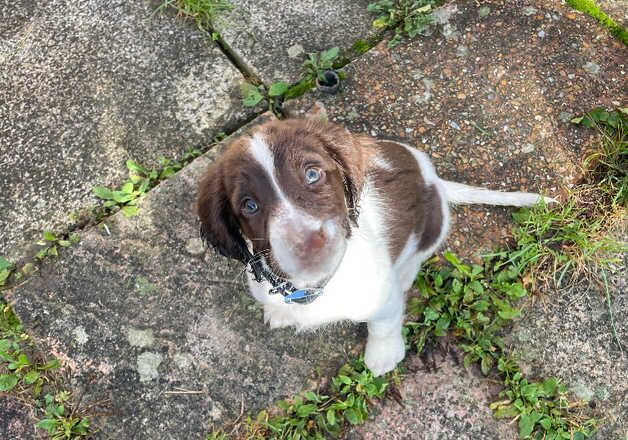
x=345, y=149
x=219, y=225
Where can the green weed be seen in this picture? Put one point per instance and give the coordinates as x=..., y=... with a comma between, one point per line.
x=6, y=268
x=562, y=241
x=51, y=243
x=314, y=67
x=140, y=181
x=607, y=166
x=476, y=303
x=406, y=17
x=16, y=369
x=589, y=7
x=316, y=416
x=60, y=423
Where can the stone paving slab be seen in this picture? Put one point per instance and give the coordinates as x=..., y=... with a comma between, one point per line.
x=273, y=37
x=145, y=312
x=449, y=403
x=86, y=85
x=489, y=99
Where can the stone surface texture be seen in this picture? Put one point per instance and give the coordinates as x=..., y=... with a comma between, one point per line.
x=142, y=316
x=86, y=85
x=273, y=37
x=569, y=335
x=16, y=420
x=449, y=403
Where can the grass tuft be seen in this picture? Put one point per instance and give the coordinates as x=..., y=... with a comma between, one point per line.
x=204, y=12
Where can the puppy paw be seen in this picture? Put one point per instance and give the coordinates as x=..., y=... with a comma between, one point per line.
x=279, y=315
x=383, y=354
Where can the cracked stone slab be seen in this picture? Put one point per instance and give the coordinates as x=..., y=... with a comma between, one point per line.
x=273, y=37
x=489, y=100
x=86, y=85
x=164, y=329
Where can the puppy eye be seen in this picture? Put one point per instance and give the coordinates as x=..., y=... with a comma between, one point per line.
x=312, y=175
x=249, y=206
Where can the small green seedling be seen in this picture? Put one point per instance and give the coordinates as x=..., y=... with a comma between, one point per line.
x=318, y=63
x=406, y=17
x=58, y=423
x=140, y=181
x=51, y=243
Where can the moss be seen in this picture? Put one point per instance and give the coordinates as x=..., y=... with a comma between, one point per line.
x=589, y=7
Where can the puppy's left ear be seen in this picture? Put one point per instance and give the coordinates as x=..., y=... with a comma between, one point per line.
x=219, y=226
x=346, y=150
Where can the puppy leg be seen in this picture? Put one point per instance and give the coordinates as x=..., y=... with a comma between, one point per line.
x=385, y=347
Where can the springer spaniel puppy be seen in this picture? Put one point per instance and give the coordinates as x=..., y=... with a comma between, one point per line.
x=332, y=226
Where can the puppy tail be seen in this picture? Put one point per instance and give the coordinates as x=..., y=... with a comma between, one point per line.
x=460, y=194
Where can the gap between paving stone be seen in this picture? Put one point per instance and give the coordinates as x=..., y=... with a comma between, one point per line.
x=147, y=310
x=274, y=36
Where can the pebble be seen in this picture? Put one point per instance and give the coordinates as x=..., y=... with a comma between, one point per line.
x=295, y=51
x=541, y=34
x=565, y=116
x=527, y=148
x=529, y=10
x=591, y=68
x=453, y=125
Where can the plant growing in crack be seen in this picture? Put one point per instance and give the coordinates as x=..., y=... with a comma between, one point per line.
x=60, y=423
x=318, y=70
x=406, y=17
x=140, y=181
x=51, y=243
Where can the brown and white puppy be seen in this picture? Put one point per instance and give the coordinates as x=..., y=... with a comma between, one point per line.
x=345, y=220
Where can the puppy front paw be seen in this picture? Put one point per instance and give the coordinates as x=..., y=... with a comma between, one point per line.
x=279, y=315
x=383, y=354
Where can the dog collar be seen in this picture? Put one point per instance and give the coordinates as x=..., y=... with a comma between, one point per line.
x=290, y=294
x=293, y=295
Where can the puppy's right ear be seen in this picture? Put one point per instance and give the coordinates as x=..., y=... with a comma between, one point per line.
x=219, y=225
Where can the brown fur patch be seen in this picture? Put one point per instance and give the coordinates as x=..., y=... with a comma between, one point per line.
x=411, y=206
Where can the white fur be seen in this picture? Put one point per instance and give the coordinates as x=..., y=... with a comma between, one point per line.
x=459, y=193
x=368, y=285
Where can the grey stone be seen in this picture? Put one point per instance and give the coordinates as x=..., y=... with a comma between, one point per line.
x=160, y=319
x=86, y=85
x=266, y=34
x=592, y=68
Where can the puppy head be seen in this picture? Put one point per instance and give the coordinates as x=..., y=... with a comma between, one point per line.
x=286, y=192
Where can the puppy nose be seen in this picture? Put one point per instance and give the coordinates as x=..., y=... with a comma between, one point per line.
x=316, y=241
